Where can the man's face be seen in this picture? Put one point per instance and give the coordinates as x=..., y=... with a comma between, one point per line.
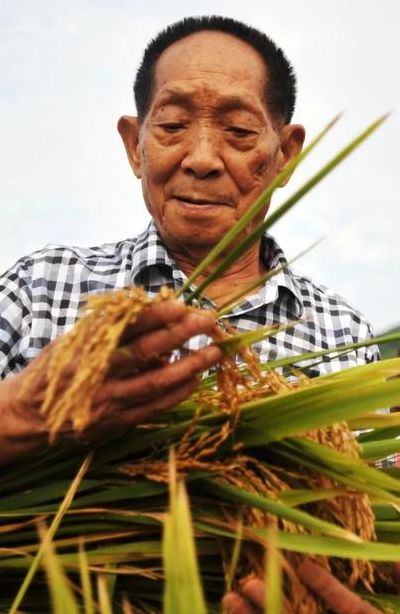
x=208, y=145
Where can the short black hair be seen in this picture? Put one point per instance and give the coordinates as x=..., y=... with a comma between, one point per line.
x=281, y=90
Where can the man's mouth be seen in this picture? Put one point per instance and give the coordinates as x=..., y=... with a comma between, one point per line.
x=200, y=201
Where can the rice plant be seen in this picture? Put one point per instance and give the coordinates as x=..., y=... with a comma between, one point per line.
x=256, y=473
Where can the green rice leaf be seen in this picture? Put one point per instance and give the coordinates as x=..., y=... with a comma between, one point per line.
x=332, y=546
x=327, y=400
x=385, y=426
x=299, y=496
x=273, y=580
x=230, y=575
x=346, y=470
x=375, y=450
x=333, y=352
x=240, y=340
x=85, y=580
x=104, y=597
x=62, y=597
x=237, y=495
x=50, y=534
x=183, y=587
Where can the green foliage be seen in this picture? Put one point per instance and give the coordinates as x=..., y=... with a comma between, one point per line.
x=391, y=349
x=183, y=588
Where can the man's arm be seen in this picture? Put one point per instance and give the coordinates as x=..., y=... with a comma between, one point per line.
x=333, y=594
x=133, y=391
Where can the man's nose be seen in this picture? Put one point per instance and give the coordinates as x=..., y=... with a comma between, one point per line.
x=203, y=156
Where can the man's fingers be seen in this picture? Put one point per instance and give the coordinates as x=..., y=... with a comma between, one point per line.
x=155, y=316
x=148, y=411
x=233, y=603
x=148, y=383
x=254, y=590
x=336, y=596
x=153, y=344
x=114, y=418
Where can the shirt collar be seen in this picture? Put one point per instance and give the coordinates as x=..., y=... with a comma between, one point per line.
x=273, y=257
x=151, y=255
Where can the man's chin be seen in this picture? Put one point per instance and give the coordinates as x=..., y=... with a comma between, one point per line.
x=199, y=240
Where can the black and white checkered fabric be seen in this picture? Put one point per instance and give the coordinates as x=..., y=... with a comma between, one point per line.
x=41, y=295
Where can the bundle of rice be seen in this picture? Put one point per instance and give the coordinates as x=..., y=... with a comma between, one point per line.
x=270, y=465
x=259, y=453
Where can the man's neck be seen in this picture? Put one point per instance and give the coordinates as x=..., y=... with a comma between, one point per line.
x=238, y=277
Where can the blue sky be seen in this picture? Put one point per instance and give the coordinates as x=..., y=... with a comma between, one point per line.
x=66, y=72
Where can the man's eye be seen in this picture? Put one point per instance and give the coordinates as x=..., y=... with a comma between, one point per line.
x=240, y=132
x=172, y=127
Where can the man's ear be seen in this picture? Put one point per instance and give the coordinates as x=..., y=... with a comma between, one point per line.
x=128, y=127
x=292, y=139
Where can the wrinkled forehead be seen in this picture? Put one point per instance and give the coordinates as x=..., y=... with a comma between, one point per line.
x=213, y=58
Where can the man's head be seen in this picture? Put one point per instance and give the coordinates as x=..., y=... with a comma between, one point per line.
x=207, y=141
x=280, y=91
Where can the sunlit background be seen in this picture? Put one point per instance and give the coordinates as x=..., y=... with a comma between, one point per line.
x=66, y=69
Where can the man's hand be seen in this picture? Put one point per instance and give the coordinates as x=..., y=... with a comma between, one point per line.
x=338, y=598
x=137, y=386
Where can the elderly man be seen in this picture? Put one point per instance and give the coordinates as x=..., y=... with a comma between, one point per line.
x=215, y=100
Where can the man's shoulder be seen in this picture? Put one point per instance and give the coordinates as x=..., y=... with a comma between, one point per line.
x=55, y=253
x=320, y=297
x=332, y=321
x=56, y=259
x=318, y=302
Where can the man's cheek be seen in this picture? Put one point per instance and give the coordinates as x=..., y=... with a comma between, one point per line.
x=263, y=163
x=255, y=175
x=160, y=167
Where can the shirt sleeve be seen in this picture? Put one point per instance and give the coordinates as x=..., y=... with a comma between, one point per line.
x=15, y=316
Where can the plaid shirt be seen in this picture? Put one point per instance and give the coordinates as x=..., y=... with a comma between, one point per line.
x=41, y=295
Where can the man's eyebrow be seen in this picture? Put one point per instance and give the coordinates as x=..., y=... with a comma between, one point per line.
x=233, y=103
x=175, y=96
x=225, y=102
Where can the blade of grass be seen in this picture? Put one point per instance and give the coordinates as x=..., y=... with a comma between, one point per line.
x=273, y=579
x=50, y=534
x=330, y=399
x=63, y=600
x=375, y=450
x=307, y=543
x=104, y=599
x=240, y=340
x=384, y=425
x=335, y=351
x=85, y=580
x=248, y=241
x=182, y=580
x=333, y=546
x=302, y=496
x=333, y=464
x=237, y=495
x=230, y=575
x=126, y=606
